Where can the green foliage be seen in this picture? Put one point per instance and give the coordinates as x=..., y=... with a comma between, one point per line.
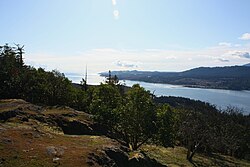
x=166, y=119
x=35, y=85
x=137, y=117
x=104, y=100
x=10, y=72
x=200, y=127
x=112, y=80
x=131, y=118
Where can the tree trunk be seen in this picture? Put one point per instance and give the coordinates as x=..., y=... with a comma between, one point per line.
x=191, y=151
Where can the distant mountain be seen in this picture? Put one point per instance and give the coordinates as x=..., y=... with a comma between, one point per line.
x=234, y=77
x=247, y=65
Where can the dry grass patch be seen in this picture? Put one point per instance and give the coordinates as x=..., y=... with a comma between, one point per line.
x=174, y=157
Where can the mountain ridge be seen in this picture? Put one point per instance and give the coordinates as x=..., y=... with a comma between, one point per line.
x=229, y=77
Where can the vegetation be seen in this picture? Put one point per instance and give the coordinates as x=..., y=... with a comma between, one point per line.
x=233, y=78
x=137, y=117
x=176, y=156
x=34, y=138
x=133, y=116
x=18, y=80
x=202, y=128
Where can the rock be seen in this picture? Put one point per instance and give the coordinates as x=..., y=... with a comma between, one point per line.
x=69, y=115
x=6, y=141
x=101, y=159
x=40, y=118
x=2, y=129
x=2, y=160
x=99, y=129
x=9, y=114
x=51, y=150
x=140, y=159
x=90, y=163
x=74, y=127
x=24, y=119
x=56, y=159
x=120, y=157
x=55, y=151
x=32, y=135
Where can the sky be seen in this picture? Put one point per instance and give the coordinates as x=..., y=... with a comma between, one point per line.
x=157, y=35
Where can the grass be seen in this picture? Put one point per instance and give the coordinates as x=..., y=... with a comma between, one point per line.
x=27, y=147
x=68, y=113
x=25, y=143
x=175, y=157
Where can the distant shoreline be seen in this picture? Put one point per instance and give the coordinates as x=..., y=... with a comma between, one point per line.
x=228, y=78
x=188, y=86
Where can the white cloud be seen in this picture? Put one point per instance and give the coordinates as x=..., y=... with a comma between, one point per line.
x=222, y=60
x=245, y=36
x=127, y=64
x=241, y=54
x=104, y=59
x=237, y=45
x=153, y=50
x=225, y=44
x=104, y=50
x=172, y=57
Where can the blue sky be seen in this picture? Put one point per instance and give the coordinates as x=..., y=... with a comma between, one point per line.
x=128, y=34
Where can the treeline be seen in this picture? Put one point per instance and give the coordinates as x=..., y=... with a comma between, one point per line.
x=131, y=116
x=38, y=86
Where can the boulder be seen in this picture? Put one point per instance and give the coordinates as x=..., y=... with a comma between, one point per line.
x=116, y=157
x=74, y=127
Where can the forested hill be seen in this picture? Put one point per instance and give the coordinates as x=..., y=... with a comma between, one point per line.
x=234, y=77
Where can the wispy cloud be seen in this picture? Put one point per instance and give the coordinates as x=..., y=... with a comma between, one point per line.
x=222, y=60
x=245, y=36
x=171, y=57
x=225, y=44
x=241, y=54
x=127, y=64
x=103, y=59
x=104, y=50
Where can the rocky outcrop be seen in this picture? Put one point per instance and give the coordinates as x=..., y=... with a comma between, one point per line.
x=65, y=118
x=75, y=127
x=117, y=157
x=70, y=122
x=5, y=115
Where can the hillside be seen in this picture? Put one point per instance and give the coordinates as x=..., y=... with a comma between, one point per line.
x=248, y=65
x=34, y=135
x=233, y=78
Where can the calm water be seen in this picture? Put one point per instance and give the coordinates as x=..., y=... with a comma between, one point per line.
x=218, y=97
